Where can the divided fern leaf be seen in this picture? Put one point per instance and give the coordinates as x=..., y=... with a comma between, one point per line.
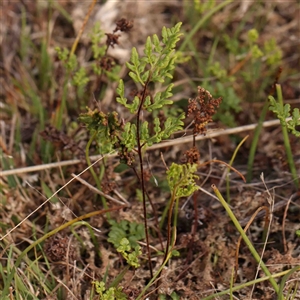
x=284, y=112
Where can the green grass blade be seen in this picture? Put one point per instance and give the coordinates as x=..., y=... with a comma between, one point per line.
x=245, y=238
x=202, y=21
x=255, y=140
x=286, y=141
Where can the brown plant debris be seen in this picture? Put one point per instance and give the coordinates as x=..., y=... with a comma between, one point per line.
x=62, y=141
x=124, y=25
x=57, y=248
x=192, y=156
x=203, y=107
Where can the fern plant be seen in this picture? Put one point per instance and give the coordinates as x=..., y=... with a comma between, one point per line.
x=130, y=137
x=111, y=293
x=182, y=183
x=155, y=66
x=131, y=255
x=115, y=292
x=283, y=112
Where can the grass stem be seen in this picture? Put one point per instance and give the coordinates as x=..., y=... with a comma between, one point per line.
x=245, y=238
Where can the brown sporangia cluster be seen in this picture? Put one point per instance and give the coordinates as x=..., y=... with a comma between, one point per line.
x=122, y=25
x=111, y=126
x=61, y=141
x=192, y=156
x=203, y=107
x=126, y=157
x=57, y=248
x=132, y=293
x=112, y=39
x=107, y=63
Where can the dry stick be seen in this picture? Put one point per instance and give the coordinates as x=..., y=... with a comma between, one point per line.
x=74, y=46
x=283, y=223
x=209, y=194
x=277, y=207
x=156, y=283
x=10, y=231
x=178, y=141
x=67, y=288
x=187, y=139
x=62, y=176
x=195, y=221
x=92, y=188
x=3, y=144
x=210, y=166
x=121, y=197
x=265, y=208
x=271, y=201
x=11, y=297
x=224, y=163
x=12, y=133
x=195, y=196
x=67, y=262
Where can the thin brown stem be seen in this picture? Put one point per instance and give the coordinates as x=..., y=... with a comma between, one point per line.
x=155, y=219
x=153, y=209
x=227, y=165
x=139, y=150
x=100, y=78
x=168, y=230
x=195, y=223
x=283, y=225
x=169, y=222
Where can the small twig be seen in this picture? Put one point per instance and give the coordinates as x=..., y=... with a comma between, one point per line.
x=74, y=46
x=11, y=297
x=121, y=197
x=283, y=223
x=165, y=144
x=278, y=206
x=100, y=192
x=12, y=132
x=67, y=260
x=140, y=154
x=263, y=208
x=67, y=288
x=224, y=163
x=208, y=175
x=269, y=217
x=195, y=222
x=163, y=160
